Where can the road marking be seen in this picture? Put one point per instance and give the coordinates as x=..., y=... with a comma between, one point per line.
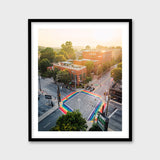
x=47, y=124
x=116, y=102
x=112, y=113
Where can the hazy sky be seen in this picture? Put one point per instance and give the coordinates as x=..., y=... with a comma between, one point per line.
x=80, y=37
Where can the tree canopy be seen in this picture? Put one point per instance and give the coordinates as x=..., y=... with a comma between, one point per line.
x=119, y=65
x=90, y=67
x=72, y=121
x=43, y=64
x=67, y=50
x=55, y=71
x=99, y=70
x=48, y=53
x=101, y=47
x=105, y=66
x=87, y=47
x=88, y=79
x=60, y=58
x=95, y=127
x=63, y=76
x=116, y=73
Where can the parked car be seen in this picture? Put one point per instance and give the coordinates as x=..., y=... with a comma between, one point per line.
x=92, y=89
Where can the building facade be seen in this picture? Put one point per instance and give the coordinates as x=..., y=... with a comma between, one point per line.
x=78, y=73
x=101, y=56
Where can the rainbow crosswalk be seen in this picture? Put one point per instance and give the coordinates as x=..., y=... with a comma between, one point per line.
x=98, y=108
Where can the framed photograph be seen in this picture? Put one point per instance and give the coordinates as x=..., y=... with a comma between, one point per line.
x=80, y=79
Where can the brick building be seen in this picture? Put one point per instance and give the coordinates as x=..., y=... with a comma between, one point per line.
x=83, y=62
x=101, y=56
x=77, y=72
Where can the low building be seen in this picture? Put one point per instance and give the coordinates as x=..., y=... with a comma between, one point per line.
x=83, y=62
x=77, y=72
x=116, y=92
x=102, y=56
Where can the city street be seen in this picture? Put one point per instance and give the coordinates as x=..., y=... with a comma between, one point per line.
x=50, y=121
x=49, y=87
x=103, y=85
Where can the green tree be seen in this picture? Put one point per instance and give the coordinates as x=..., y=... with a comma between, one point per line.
x=60, y=58
x=40, y=48
x=101, y=47
x=49, y=73
x=95, y=127
x=119, y=58
x=55, y=71
x=99, y=70
x=90, y=67
x=116, y=73
x=119, y=65
x=72, y=121
x=88, y=79
x=88, y=47
x=105, y=66
x=43, y=64
x=67, y=50
x=63, y=76
x=118, y=47
x=49, y=54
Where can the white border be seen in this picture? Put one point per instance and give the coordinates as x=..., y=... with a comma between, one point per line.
x=35, y=26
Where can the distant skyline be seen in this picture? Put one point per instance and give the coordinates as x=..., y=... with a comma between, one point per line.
x=80, y=37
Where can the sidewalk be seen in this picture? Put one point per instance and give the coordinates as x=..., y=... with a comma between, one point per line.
x=43, y=116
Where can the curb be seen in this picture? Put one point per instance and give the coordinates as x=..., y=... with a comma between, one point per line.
x=46, y=114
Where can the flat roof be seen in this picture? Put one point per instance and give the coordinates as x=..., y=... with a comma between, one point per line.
x=72, y=66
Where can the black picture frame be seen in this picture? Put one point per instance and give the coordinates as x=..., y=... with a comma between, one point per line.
x=30, y=85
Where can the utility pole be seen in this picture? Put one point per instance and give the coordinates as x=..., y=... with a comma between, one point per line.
x=109, y=97
x=58, y=91
x=39, y=84
x=58, y=95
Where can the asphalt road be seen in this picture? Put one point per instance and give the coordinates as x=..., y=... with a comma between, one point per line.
x=50, y=121
x=49, y=87
x=103, y=84
x=115, y=111
x=114, y=108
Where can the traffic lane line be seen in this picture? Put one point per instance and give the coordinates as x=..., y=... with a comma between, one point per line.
x=116, y=102
x=113, y=113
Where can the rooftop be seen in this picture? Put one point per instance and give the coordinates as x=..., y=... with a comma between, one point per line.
x=87, y=60
x=97, y=50
x=69, y=66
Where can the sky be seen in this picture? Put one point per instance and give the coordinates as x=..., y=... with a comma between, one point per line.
x=80, y=37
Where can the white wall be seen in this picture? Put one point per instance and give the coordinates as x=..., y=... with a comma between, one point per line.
x=13, y=87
